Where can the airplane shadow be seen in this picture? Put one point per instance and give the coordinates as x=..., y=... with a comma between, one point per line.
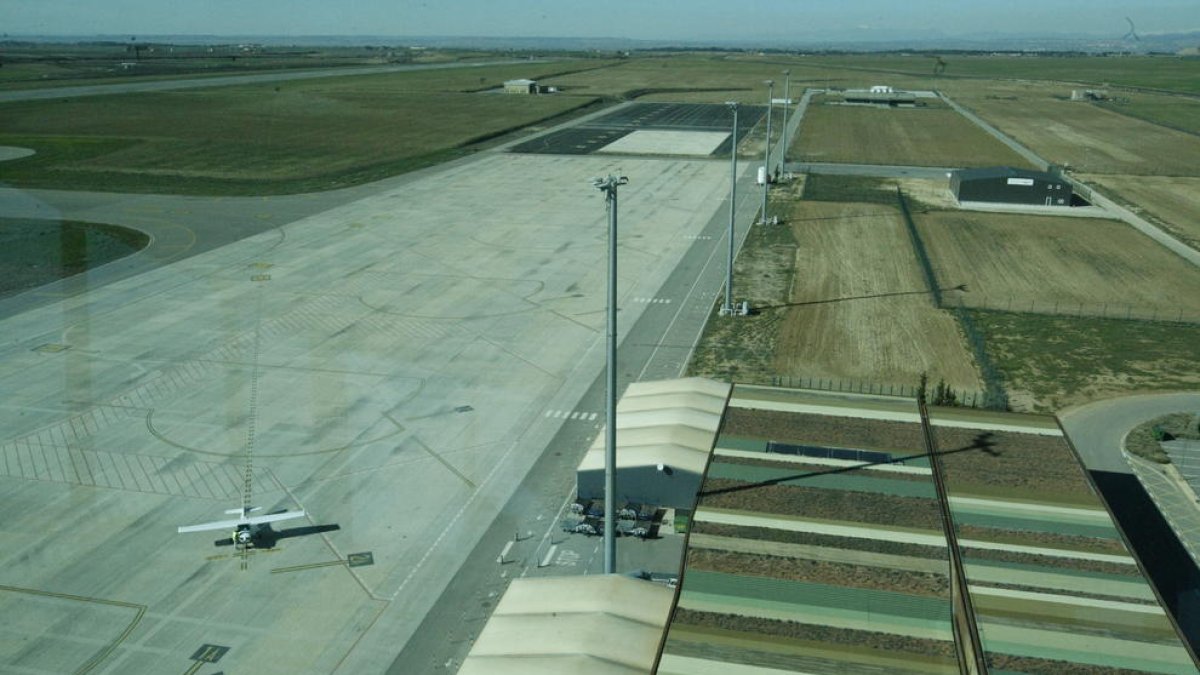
x=982, y=442
x=764, y=308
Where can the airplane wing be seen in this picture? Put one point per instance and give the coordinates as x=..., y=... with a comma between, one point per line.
x=218, y=525
x=274, y=517
x=231, y=524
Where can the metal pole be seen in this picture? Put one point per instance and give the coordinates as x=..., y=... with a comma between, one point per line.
x=727, y=310
x=787, y=96
x=609, y=186
x=767, y=153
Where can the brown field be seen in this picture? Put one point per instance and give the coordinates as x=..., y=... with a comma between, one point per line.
x=858, y=306
x=1055, y=265
x=1086, y=137
x=819, y=572
x=934, y=136
x=901, y=438
x=1173, y=202
x=878, y=510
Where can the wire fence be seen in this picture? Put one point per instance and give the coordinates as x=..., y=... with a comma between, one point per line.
x=963, y=397
x=994, y=396
x=1105, y=310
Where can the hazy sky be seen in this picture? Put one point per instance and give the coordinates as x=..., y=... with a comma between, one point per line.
x=648, y=19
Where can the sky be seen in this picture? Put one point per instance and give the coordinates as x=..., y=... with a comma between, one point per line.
x=637, y=19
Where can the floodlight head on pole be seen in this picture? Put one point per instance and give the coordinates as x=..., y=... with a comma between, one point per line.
x=609, y=182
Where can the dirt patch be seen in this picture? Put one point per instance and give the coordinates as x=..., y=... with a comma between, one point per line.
x=901, y=438
x=859, y=308
x=743, y=349
x=1172, y=202
x=1051, y=562
x=1143, y=441
x=820, y=572
x=842, y=505
x=1042, y=539
x=793, y=631
x=1051, y=265
x=934, y=136
x=1026, y=664
x=1039, y=467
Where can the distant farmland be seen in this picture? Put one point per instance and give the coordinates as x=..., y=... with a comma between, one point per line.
x=1018, y=261
x=932, y=136
x=268, y=138
x=1088, y=138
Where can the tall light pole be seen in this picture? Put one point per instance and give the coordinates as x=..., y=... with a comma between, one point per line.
x=609, y=186
x=767, y=156
x=787, y=98
x=727, y=309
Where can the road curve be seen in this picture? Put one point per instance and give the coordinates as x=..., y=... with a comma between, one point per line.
x=1098, y=429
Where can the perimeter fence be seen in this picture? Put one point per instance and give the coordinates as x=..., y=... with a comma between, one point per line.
x=994, y=396
x=962, y=397
x=1106, y=310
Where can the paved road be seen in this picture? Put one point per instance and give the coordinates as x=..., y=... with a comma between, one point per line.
x=1098, y=431
x=232, y=80
x=658, y=346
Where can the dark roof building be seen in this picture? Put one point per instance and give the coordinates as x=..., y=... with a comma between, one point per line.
x=1006, y=185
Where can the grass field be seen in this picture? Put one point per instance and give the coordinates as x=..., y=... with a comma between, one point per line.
x=1013, y=261
x=267, y=138
x=1159, y=72
x=1051, y=362
x=1172, y=202
x=934, y=136
x=709, y=78
x=1176, y=112
x=37, y=65
x=1088, y=138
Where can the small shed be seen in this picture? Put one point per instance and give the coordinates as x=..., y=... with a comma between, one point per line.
x=666, y=430
x=588, y=625
x=1007, y=185
x=521, y=87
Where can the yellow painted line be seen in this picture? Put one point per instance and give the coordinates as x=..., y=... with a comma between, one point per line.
x=195, y=666
x=103, y=653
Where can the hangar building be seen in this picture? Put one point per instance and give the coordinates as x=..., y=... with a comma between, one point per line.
x=880, y=95
x=520, y=87
x=665, y=434
x=1006, y=185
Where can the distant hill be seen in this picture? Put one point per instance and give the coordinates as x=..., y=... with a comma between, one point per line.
x=1172, y=43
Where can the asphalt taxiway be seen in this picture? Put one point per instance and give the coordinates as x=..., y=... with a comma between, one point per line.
x=405, y=347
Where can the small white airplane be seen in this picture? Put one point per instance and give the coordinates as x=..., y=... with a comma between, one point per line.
x=246, y=525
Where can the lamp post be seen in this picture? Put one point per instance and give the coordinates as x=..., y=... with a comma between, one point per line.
x=727, y=309
x=609, y=186
x=767, y=154
x=787, y=103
